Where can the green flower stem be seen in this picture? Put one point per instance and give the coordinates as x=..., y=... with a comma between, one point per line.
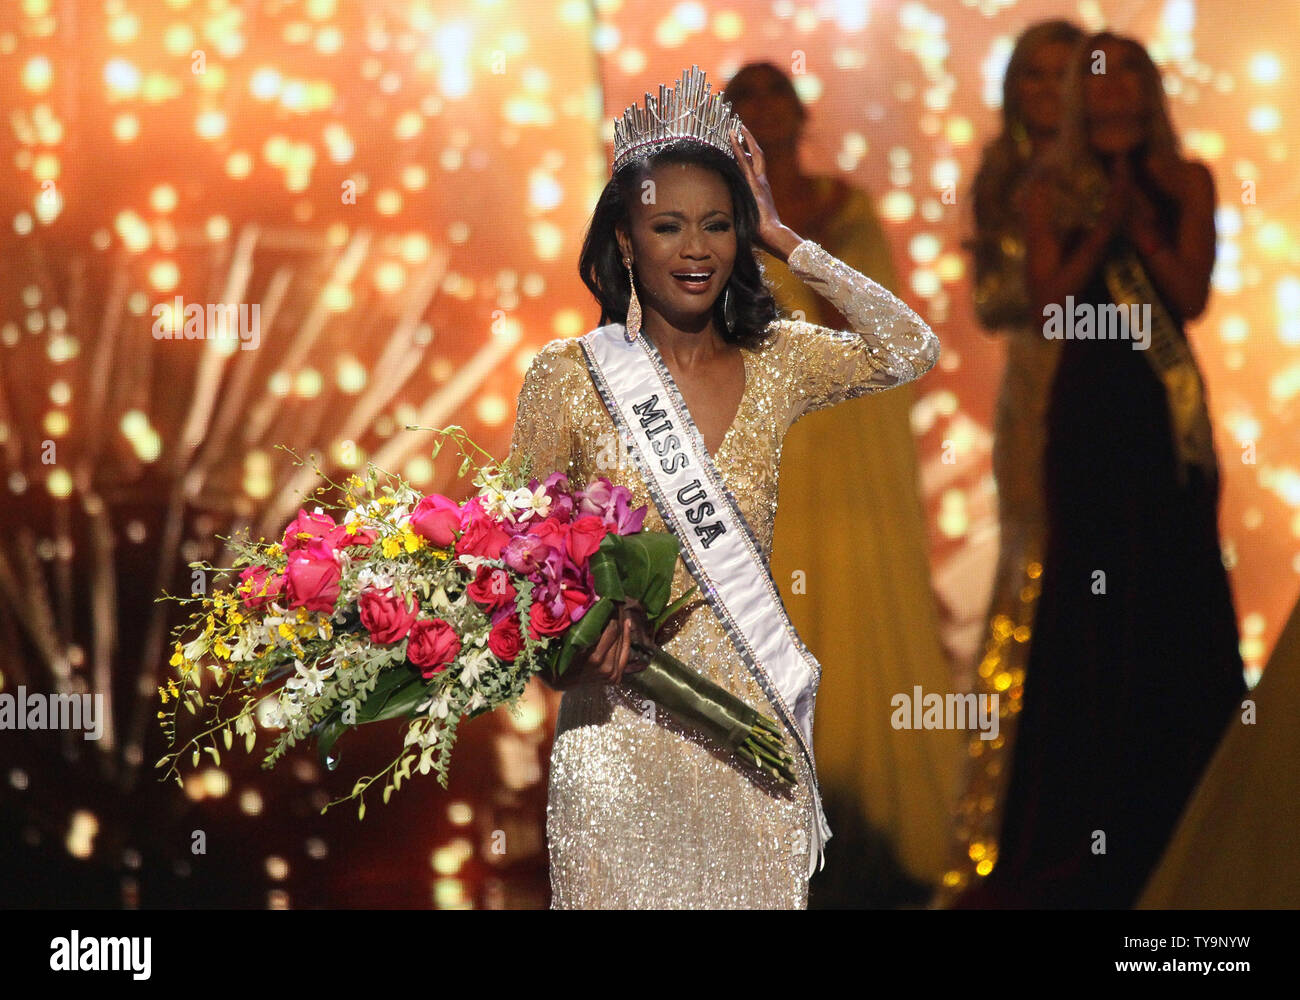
x=695, y=701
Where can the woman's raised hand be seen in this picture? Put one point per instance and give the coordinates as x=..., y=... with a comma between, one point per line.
x=752, y=165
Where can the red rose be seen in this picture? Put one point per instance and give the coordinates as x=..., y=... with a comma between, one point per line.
x=577, y=601
x=492, y=588
x=312, y=579
x=386, y=616
x=433, y=644
x=436, y=519
x=259, y=587
x=482, y=538
x=585, y=535
x=552, y=532
x=505, y=640
x=542, y=623
x=307, y=528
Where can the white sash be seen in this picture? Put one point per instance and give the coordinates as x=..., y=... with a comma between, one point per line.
x=718, y=546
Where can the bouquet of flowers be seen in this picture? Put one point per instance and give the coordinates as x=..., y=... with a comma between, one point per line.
x=420, y=608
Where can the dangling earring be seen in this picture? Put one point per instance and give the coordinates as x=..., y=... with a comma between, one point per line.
x=633, y=306
x=729, y=310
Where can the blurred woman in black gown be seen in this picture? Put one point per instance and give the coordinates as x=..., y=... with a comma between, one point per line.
x=1134, y=669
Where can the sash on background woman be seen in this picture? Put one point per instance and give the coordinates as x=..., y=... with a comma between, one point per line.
x=718, y=545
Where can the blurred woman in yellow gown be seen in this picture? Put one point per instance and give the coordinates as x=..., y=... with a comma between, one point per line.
x=865, y=608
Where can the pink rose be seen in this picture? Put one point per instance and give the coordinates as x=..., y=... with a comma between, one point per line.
x=340, y=538
x=433, y=644
x=585, y=535
x=306, y=528
x=386, y=617
x=259, y=587
x=542, y=622
x=505, y=640
x=437, y=520
x=492, y=587
x=312, y=579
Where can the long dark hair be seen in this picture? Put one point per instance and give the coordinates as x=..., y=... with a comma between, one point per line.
x=601, y=262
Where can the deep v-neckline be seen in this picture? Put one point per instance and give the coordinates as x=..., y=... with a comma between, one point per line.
x=735, y=418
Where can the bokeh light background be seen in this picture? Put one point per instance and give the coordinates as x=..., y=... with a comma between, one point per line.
x=403, y=188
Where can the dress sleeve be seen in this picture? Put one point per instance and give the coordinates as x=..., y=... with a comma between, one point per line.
x=888, y=344
x=542, y=427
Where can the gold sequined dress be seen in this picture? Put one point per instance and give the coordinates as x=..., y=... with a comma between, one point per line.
x=641, y=812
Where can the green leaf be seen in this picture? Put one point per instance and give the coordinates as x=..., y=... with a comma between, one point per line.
x=396, y=694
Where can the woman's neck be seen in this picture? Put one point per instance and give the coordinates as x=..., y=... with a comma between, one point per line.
x=685, y=346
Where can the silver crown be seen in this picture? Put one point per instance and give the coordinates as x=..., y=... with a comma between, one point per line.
x=687, y=111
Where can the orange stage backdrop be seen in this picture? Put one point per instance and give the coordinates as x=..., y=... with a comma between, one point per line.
x=402, y=188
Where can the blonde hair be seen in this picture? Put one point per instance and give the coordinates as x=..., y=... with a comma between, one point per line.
x=1005, y=159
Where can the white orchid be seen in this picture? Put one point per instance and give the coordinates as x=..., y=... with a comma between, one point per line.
x=531, y=502
x=438, y=599
x=436, y=707
x=280, y=712
x=309, y=680
x=379, y=579
x=496, y=503
x=245, y=647
x=488, y=477
x=476, y=663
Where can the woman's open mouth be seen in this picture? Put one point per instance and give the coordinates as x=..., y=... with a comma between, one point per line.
x=694, y=281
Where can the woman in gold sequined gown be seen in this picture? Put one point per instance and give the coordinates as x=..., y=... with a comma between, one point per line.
x=642, y=812
x=1031, y=112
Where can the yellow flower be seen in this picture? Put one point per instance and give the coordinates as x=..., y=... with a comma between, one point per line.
x=221, y=649
x=162, y=694
x=286, y=630
x=392, y=545
x=411, y=540
x=178, y=657
x=274, y=549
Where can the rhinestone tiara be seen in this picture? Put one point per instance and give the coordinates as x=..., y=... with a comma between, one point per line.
x=687, y=111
